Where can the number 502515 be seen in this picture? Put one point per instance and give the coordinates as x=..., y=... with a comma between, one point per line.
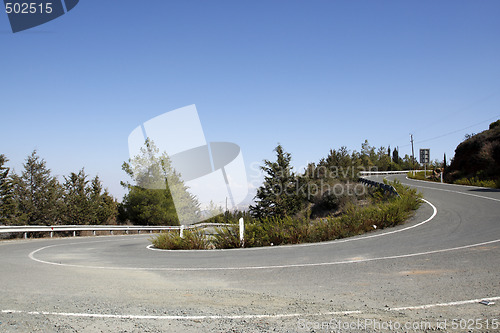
x=28, y=8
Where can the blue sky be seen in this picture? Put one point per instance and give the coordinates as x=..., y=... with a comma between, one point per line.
x=311, y=75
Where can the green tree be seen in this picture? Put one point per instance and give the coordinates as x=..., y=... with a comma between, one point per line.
x=383, y=160
x=280, y=193
x=103, y=205
x=77, y=208
x=368, y=156
x=7, y=205
x=85, y=201
x=395, y=156
x=150, y=200
x=37, y=193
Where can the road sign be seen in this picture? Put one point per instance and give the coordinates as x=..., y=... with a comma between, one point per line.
x=425, y=156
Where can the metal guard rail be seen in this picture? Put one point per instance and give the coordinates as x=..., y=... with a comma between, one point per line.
x=385, y=187
x=368, y=173
x=61, y=228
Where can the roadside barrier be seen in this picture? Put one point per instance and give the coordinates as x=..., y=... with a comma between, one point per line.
x=52, y=229
x=385, y=187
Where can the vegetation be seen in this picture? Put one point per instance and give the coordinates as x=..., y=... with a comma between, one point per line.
x=383, y=211
x=7, y=204
x=37, y=193
x=323, y=203
x=279, y=195
x=150, y=200
x=477, y=159
x=430, y=175
x=191, y=240
x=35, y=197
x=85, y=201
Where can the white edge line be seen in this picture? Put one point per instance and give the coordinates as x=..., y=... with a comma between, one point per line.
x=428, y=306
x=335, y=241
x=270, y=266
x=445, y=190
x=32, y=257
x=256, y=316
x=428, y=181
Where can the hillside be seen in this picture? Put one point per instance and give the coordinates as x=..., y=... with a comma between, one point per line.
x=477, y=159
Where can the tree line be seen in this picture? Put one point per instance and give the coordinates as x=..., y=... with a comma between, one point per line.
x=324, y=187
x=36, y=197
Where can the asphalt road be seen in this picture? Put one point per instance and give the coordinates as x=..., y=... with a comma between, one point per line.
x=431, y=271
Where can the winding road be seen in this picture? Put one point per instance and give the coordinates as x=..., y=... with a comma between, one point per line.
x=429, y=273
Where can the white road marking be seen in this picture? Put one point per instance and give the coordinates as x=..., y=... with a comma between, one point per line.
x=445, y=190
x=448, y=184
x=180, y=269
x=255, y=316
x=428, y=306
x=250, y=316
x=32, y=257
x=336, y=241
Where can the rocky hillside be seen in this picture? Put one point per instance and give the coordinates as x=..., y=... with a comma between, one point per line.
x=477, y=159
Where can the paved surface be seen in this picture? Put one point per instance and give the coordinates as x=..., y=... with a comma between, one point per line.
x=432, y=270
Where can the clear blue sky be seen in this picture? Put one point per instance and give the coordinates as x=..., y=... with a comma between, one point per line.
x=311, y=75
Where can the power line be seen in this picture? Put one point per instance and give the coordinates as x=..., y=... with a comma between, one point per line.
x=455, y=131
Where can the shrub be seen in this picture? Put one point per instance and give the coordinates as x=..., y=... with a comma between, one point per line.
x=171, y=240
x=226, y=238
x=475, y=181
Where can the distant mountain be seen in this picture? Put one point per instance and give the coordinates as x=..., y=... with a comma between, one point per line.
x=477, y=159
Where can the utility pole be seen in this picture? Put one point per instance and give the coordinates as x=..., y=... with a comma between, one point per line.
x=412, y=154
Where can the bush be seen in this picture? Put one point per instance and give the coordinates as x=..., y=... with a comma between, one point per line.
x=171, y=240
x=226, y=238
x=475, y=181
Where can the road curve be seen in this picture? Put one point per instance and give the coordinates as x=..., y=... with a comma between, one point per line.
x=437, y=266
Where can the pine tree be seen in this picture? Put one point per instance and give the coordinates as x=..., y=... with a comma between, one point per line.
x=395, y=156
x=77, y=209
x=280, y=194
x=85, y=202
x=38, y=194
x=150, y=200
x=103, y=205
x=7, y=206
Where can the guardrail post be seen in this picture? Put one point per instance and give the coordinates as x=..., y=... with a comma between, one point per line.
x=25, y=235
x=74, y=233
x=51, y=234
x=111, y=232
x=182, y=230
x=93, y=231
x=242, y=231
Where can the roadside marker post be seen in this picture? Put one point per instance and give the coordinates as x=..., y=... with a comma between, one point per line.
x=242, y=231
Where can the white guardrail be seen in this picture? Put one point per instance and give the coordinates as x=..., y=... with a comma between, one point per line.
x=26, y=229
x=368, y=173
